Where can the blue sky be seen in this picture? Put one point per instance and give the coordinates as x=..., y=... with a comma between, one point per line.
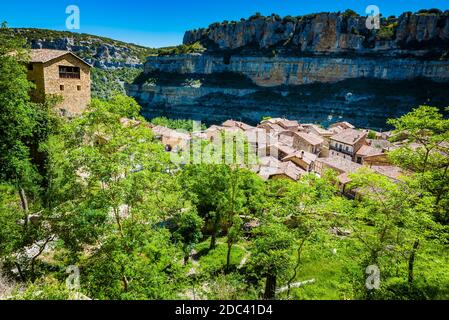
x=162, y=23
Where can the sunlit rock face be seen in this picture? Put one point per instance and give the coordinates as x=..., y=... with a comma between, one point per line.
x=278, y=71
x=324, y=33
x=318, y=68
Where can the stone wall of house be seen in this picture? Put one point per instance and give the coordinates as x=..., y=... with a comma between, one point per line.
x=36, y=76
x=376, y=160
x=74, y=100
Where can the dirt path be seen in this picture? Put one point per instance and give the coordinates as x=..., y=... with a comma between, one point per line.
x=295, y=285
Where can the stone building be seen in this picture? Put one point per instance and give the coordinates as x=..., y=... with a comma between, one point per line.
x=346, y=143
x=308, y=142
x=60, y=73
x=304, y=160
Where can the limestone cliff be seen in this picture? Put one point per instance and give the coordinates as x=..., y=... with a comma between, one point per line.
x=423, y=34
x=318, y=68
x=291, y=71
x=101, y=52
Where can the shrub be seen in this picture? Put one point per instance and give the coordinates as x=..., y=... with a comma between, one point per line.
x=349, y=14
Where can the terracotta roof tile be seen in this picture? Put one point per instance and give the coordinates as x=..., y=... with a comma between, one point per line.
x=310, y=138
x=349, y=136
x=46, y=55
x=341, y=164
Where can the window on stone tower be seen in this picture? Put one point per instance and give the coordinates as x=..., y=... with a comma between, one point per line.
x=69, y=72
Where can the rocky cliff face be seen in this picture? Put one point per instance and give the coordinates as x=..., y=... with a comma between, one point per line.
x=292, y=71
x=101, y=52
x=330, y=33
x=317, y=68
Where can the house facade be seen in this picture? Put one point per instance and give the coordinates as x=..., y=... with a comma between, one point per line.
x=346, y=143
x=308, y=142
x=63, y=74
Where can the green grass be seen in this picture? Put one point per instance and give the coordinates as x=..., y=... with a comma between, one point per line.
x=214, y=261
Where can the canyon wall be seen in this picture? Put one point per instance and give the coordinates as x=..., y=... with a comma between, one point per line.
x=317, y=68
x=277, y=71
x=415, y=34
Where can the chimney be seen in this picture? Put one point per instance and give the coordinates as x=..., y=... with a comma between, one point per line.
x=302, y=154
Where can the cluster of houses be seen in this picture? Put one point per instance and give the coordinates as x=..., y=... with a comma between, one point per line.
x=285, y=148
x=289, y=149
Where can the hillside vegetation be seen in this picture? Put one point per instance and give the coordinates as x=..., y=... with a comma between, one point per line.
x=93, y=207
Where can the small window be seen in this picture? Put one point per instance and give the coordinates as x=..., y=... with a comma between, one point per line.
x=69, y=72
x=61, y=87
x=78, y=88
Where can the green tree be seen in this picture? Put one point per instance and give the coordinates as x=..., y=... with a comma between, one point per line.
x=16, y=116
x=389, y=221
x=220, y=192
x=25, y=128
x=424, y=150
x=188, y=231
x=112, y=189
x=271, y=254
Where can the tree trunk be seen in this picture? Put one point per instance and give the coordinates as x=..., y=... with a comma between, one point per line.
x=270, y=287
x=228, y=257
x=186, y=258
x=24, y=202
x=411, y=262
x=125, y=283
x=19, y=269
x=295, y=270
x=213, y=241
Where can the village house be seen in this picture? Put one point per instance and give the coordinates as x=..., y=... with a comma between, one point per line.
x=280, y=170
x=308, y=142
x=286, y=137
x=259, y=139
x=304, y=160
x=271, y=128
x=60, y=73
x=343, y=167
x=380, y=159
x=237, y=124
x=346, y=143
x=279, y=151
x=213, y=132
x=317, y=130
x=290, y=125
x=171, y=139
x=367, y=151
x=338, y=164
x=343, y=124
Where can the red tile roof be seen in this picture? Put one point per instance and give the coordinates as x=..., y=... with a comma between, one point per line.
x=349, y=136
x=46, y=55
x=310, y=138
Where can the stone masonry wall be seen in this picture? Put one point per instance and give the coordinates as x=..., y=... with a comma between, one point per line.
x=75, y=101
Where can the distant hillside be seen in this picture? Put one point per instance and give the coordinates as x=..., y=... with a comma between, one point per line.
x=101, y=52
x=115, y=62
